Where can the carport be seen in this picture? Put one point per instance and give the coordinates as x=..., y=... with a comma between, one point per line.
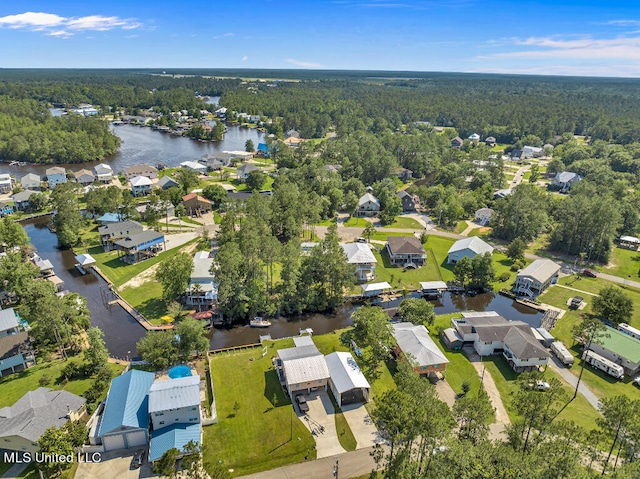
x=348, y=384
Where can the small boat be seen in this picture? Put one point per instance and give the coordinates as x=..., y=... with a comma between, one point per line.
x=258, y=322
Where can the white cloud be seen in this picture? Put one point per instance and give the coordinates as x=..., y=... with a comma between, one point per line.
x=623, y=23
x=597, y=70
x=303, y=64
x=245, y=58
x=57, y=26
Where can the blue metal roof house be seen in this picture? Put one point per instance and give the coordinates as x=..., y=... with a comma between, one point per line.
x=176, y=435
x=125, y=420
x=108, y=219
x=263, y=149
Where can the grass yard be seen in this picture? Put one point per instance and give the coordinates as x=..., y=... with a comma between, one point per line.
x=460, y=227
x=355, y=222
x=403, y=222
x=400, y=278
x=383, y=235
x=17, y=385
x=257, y=426
x=624, y=263
x=440, y=245
x=146, y=298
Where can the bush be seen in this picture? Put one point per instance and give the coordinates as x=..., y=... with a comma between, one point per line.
x=71, y=370
x=504, y=277
x=44, y=380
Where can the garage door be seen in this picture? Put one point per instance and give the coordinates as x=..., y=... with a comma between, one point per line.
x=114, y=442
x=353, y=396
x=136, y=438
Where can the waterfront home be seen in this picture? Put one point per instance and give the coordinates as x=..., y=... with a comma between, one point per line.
x=348, y=384
x=263, y=150
x=84, y=177
x=196, y=205
x=5, y=209
x=474, y=137
x=243, y=171
x=22, y=424
x=104, y=173
x=360, y=255
x=302, y=369
x=21, y=200
x=202, y=291
x=405, y=251
x=141, y=186
x=125, y=419
x=194, y=165
x=56, y=176
x=140, y=246
x=109, y=233
x=147, y=171
x=469, y=248
x=416, y=346
x=6, y=183
x=368, y=205
x=167, y=182
x=16, y=353
x=109, y=219
x=31, y=181
x=535, y=278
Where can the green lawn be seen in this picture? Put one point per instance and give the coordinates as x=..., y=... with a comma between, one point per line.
x=400, y=278
x=260, y=434
x=440, y=247
x=460, y=227
x=242, y=186
x=355, y=221
x=402, y=222
x=624, y=263
x=146, y=298
x=383, y=235
x=16, y=385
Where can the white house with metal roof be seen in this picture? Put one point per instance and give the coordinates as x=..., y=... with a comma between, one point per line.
x=565, y=179
x=202, y=291
x=104, y=173
x=347, y=382
x=141, y=186
x=535, y=278
x=302, y=369
x=468, y=247
x=175, y=401
x=360, y=255
x=9, y=322
x=415, y=344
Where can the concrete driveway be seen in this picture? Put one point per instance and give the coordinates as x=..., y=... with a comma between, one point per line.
x=362, y=427
x=321, y=422
x=114, y=464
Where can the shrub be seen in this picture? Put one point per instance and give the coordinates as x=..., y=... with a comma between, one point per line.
x=504, y=277
x=44, y=380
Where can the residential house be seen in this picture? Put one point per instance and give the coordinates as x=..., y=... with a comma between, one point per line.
x=21, y=200
x=147, y=171
x=368, y=205
x=490, y=141
x=221, y=112
x=44, y=265
x=125, y=420
x=292, y=134
x=31, y=181
x=194, y=165
x=346, y=381
x=370, y=290
x=490, y=333
x=104, y=173
x=620, y=348
x=111, y=232
x=202, y=291
x=565, y=180
x=474, y=137
x=109, y=219
x=10, y=322
x=22, y=424
x=56, y=176
x=405, y=251
x=408, y=201
x=243, y=171
x=416, y=346
x=535, y=278
x=457, y=142
x=293, y=142
x=196, y=205
x=467, y=247
x=532, y=151
x=84, y=177
x=6, y=183
x=518, y=155
x=16, y=353
x=140, y=246
x=160, y=209
x=5, y=209
x=483, y=216
x=360, y=255
x=302, y=369
x=263, y=150
x=405, y=174
x=167, y=182
x=141, y=186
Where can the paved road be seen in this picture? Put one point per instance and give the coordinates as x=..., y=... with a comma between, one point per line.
x=559, y=368
x=351, y=464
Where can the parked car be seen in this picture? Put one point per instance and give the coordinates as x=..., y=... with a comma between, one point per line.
x=360, y=239
x=590, y=273
x=302, y=403
x=636, y=381
x=540, y=385
x=575, y=302
x=136, y=460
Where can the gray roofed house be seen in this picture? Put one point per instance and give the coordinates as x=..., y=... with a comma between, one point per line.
x=111, y=232
x=22, y=424
x=483, y=216
x=167, y=182
x=302, y=369
x=415, y=343
x=299, y=352
x=457, y=142
x=31, y=181
x=490, y=141
x=467, y=247
x=147, y=171
x=408, y=202
x=16, y=353
x=56, y=175
x=405, y=251
x=360, y=254
x=368, y=205
x=21, y=200
x=565, y=179
x=535, y=278
x=205, y=294
x=141, y=186
x=84, y=177
x=243, y=171
x=139, y=246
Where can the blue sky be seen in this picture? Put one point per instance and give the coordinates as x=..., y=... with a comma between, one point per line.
x=562, y=37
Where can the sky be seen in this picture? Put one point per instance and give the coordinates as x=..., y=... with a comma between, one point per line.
x=549, y=37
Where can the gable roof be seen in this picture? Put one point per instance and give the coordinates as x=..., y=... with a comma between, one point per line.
x=415, y=340
x=174, y=394
x=307, y=369
x=247, y=168
x=141, y=181
x=140, y=169
x=368, y=197
x=127, y=401
x=37, y=411
x=622, y=344
x=23, y=196
x=55, y=170
x=103, y=169
x=345, y=372
x=405, y=245
x=484, y=212
x=30, y=177
x=8, y=319
x=129, y=226
x=173, y=436
x=358, y=253
x=299, y=352
x=138, y=238
x=567, y=176
x=540, y=270
x=83, y=172
x=166, y=180
x=524, y=345
x=474, y=243
x=403, y=194
x=457, y=140
x=192, y=196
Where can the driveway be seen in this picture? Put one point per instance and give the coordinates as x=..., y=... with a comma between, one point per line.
x=114, y=464
x=362, y=427
x=572, y=380
x=321, y=422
